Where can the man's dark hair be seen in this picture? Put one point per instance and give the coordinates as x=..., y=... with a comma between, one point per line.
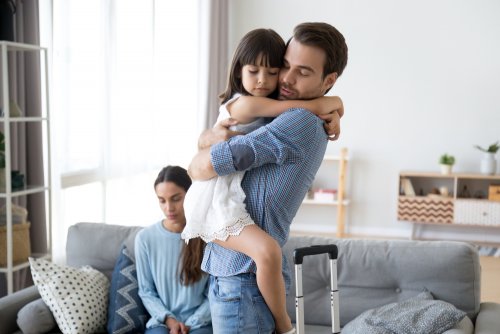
x=328, y=38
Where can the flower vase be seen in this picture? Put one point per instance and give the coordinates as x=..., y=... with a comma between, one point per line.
x=488, y=164
x=446, y=169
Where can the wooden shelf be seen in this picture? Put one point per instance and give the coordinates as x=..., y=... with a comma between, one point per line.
x=341, y=202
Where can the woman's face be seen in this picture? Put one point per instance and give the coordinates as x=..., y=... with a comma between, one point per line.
x=171, y=199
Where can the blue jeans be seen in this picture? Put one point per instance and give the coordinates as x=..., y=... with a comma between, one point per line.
x=164, y=330
x=237, y=306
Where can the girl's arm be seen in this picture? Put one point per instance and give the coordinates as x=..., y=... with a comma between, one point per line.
x=246, y=108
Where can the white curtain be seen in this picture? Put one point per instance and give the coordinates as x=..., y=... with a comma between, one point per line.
x=126, y=83
x=214, y=23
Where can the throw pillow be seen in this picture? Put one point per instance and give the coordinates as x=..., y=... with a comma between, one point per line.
x=420, y=314
x=77, y=297
x=126, y=313
x=35, y=318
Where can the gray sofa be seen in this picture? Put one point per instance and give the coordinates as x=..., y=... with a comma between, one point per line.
x=371, y=273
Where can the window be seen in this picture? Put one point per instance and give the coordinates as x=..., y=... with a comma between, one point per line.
x=123, y=104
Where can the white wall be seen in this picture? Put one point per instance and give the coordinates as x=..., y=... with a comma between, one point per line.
x=423, y=79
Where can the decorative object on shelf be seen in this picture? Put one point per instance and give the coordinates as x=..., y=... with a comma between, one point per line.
x=325, y=195
x=17, y=180
x=494, y=192
x=20, y=241
x=446, y=161
x=488, y=162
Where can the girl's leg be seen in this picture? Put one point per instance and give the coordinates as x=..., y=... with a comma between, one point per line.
x=266, y=253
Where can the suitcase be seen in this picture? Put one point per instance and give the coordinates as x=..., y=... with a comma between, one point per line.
x=298, y=257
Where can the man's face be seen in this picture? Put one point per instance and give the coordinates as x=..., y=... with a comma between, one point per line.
x=301, y=76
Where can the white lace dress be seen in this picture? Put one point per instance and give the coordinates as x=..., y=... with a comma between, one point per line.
x=215, y=208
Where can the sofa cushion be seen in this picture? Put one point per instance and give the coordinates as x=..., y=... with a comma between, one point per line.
x=77, y=297
x=126, y=313
x=419, y=315
x=35, y=318
x=84, y=248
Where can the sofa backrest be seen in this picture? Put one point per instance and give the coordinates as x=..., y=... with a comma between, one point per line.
x=98, y=245
x=373, y=273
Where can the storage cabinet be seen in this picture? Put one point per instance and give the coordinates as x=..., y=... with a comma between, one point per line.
x=339, y=201
x=460, y=199
x=15, y=233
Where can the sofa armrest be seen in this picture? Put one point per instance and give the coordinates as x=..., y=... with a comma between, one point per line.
x=11, y=304
x=488, y=318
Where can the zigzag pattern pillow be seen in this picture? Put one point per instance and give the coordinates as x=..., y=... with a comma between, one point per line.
x=77, y=297
x=126, y=313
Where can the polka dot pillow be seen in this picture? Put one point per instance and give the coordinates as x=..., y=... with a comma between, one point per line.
x=77, y=297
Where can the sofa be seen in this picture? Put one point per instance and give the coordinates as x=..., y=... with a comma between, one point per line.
x=371, y=274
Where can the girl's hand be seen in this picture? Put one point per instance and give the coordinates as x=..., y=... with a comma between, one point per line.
x=328, y=104
x=332, y=128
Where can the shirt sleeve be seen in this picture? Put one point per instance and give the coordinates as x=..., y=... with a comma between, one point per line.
x=201, y=317
x=147, y=289
x=284, y=140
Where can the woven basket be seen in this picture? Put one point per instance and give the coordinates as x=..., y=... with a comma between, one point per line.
x=20, y=241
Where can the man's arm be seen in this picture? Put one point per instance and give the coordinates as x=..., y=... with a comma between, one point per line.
x=201, y=167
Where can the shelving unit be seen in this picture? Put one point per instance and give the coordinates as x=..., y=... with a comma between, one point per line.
x=466, y=204
x=8, y=195
x=341, y=202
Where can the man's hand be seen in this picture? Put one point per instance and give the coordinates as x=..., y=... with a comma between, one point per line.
x=220, y=132
x=176, y=327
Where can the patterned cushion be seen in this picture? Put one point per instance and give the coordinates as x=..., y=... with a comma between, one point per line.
x=420, y=314
x=77, y=297
x=126, y=312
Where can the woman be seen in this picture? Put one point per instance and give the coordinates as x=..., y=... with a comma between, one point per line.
x=171, y=284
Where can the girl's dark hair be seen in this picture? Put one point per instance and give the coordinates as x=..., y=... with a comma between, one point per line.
x=265, y=42
x=192, y=253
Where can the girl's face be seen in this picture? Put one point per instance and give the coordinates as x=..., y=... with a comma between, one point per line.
x=171, y=199
x=259, y=80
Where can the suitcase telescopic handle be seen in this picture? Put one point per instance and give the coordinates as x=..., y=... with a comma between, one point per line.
x=299, y=253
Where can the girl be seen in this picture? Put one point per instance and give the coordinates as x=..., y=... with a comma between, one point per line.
x=215, y=209
x=172, y=286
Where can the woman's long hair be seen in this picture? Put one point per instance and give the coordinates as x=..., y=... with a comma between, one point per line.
x=192, y=253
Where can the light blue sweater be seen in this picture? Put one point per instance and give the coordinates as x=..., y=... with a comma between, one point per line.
x=157, y=253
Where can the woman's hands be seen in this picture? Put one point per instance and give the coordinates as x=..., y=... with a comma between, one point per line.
x=176, y=327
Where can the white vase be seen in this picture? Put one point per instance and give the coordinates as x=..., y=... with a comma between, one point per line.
x=488, y=164
x=446, y=169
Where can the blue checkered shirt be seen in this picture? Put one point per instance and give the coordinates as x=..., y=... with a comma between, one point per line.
x=280, y=160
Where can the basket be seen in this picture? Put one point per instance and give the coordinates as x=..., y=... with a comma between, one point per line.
x=21, y=245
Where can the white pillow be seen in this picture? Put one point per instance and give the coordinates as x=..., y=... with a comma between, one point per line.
x=77, y=297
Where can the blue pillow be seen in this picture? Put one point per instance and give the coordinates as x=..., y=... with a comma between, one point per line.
x=126, y=313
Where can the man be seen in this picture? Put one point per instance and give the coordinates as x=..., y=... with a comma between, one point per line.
x=281, y=160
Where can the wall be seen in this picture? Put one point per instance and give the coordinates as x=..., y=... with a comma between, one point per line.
x=423, y=79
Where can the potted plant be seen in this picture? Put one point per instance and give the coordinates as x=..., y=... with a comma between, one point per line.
x=446, y=161
x=488, y=162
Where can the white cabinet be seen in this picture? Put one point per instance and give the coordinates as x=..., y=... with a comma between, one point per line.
x=458, y=199
x=340, y=201
x=10, y=120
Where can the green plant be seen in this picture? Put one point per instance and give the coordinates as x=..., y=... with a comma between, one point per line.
x=447, y=160
x=493, y=148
